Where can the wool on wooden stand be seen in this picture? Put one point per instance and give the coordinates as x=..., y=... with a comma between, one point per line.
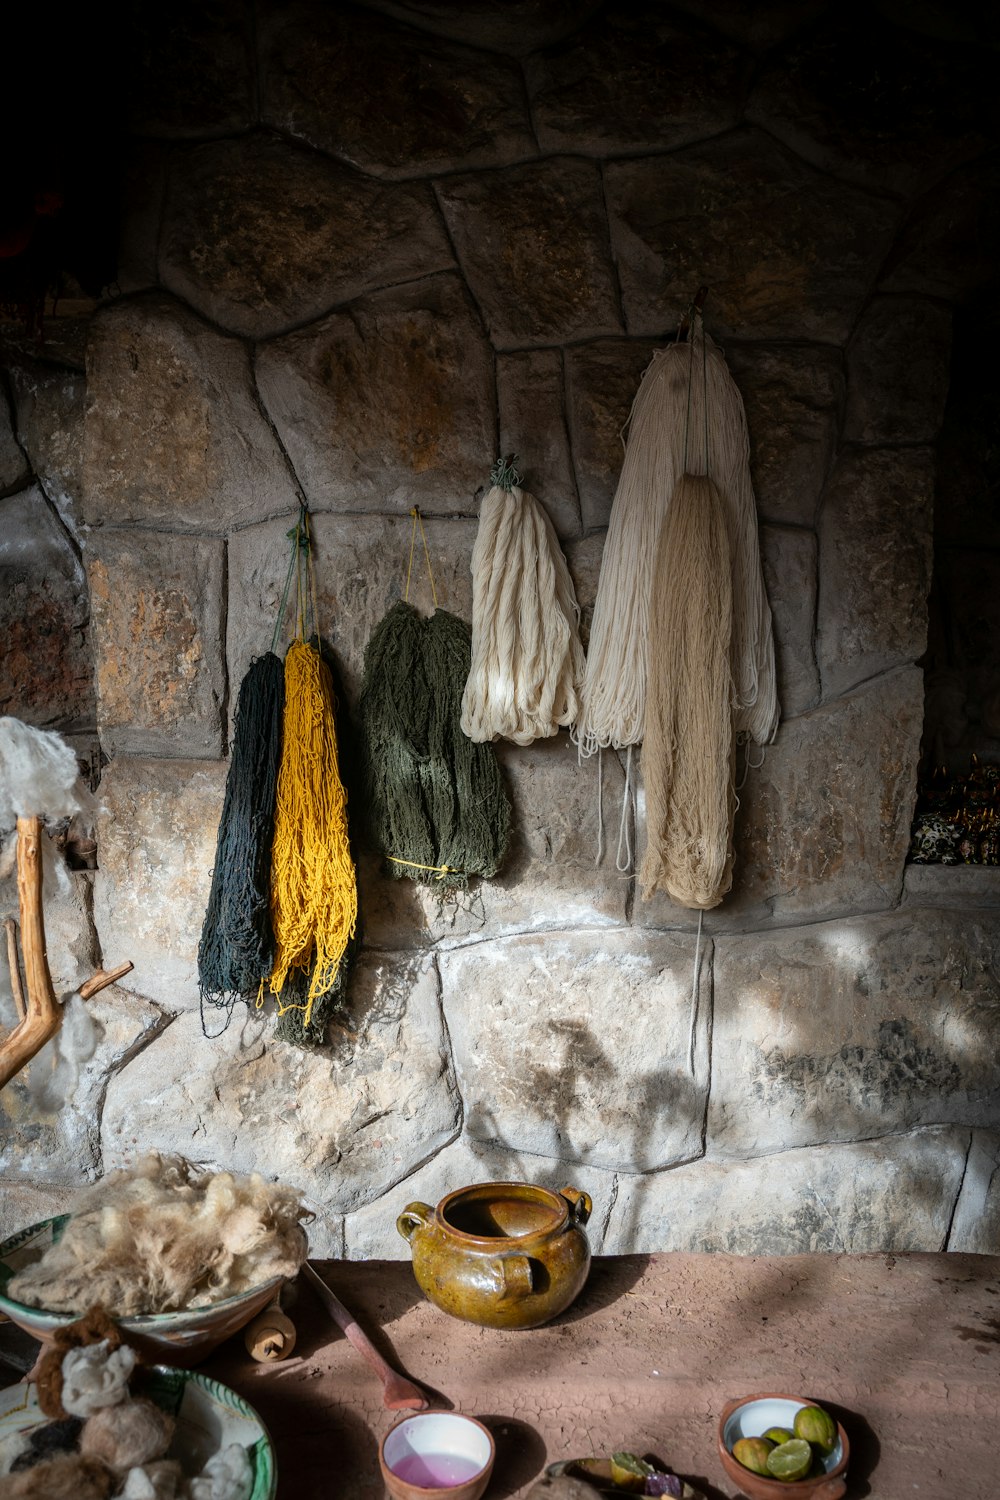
x=527, y=660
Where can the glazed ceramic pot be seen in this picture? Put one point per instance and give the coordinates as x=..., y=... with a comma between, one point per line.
x=501, y=1254
x=751, y=1416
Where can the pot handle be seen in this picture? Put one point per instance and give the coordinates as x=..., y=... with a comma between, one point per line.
x=514, y=1274
x=414, y=1215
x=580, y=1204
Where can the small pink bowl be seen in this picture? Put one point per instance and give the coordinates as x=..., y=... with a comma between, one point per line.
x=441, y=1436
x=751, y=1416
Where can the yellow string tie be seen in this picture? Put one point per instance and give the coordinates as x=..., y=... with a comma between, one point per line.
x=442, y=870
x=418, y=519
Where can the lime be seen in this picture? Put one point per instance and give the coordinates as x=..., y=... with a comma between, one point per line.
x=791, y=1460
x=629, y=1472
x=779, y=1435
x=817, y=1427
x=753, y=1454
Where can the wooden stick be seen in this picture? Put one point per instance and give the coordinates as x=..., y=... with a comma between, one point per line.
x=398, y=1393
x=16, y=988
x=102, y=979
x=44, y=1013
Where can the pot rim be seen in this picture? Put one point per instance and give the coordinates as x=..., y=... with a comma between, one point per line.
x=513, y=1242
x=409, y=1416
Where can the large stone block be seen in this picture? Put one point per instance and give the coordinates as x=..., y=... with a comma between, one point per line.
x=852, y=1030
x=190, y=69
x=50, y=408
x=602, y=380
x=144, y=186
x=875, y=564
x=393, y=101
x=156, y=835
x=533, y=243
x=292, y=234
x=575, y=1045
x=787, y=252
x=43, y=1140
x=949, y=243
x=759, y=26
x=70, y=942
x=517, y=26
x=548, y=879
x=793, y=394
x=890, y=110
x=788, y=557
x=634, y=78
x=533, y=425
x=962, y=886
x=893, y=1194
x=46, y=670
x=584, y=558
x=14, y=466
x=823, y=826
x=173, y=432
x=343, y=1126
x=897, y=367
x=371, y=1233
x=975, y=1228
x=361, y=570
x=389, y=404
x=158, y=604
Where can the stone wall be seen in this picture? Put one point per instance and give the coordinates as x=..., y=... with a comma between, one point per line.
x=364, y=250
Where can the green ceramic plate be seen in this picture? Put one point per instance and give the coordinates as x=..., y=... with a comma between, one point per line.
x=209, y=1416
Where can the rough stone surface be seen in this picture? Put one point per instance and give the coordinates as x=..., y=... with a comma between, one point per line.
x=961, y=886
x=788, y=557
x=875, y=564
x=70, y=942
x=533, y=243
x=46, y=666
x=390, y=100
x=575, y=1045
x=46, y=1140
x=190, y=68
x=144, y=187
x=371, y=1232
x=24, y=1203
x=976, y=1225
x=291, y=234
x=884, y=110
x=173, y=432
x=602, y=380
x=158, y=611
x=533, y=425
x=634, y=78
x=792, y=395
x=156, y=834
x=948, y=246
x=50, y=407
x=518, y=26
x=759, y=26
x=897, y=368
x=787, y=252
x=361, y=564
x=14, y=468
x=548, y=879
x=389, y=404
x=343, y=1125
x=852, y=1030
x=584, y=558
x=893, y=1194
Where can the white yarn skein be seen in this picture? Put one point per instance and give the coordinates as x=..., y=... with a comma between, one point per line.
x=228, y=1475
x=95, y=1376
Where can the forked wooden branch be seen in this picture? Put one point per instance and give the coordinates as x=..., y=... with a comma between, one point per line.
x=43, y=1012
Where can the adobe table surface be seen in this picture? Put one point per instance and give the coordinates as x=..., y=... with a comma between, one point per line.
x=904, y=1349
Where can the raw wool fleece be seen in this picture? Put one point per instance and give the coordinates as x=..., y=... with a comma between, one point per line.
x=71, y=1476
x=38, y=774
x=527, y=660
x=676, y=396
x=162, y=1236
x=687, y=754
x=125, y=1436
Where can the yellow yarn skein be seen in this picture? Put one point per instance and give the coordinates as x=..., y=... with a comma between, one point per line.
x=314, y=891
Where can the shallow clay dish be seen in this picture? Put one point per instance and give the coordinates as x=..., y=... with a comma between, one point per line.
x=436, y=1436
x=180, y=1338
x=209, y=1416
x=751, y=1416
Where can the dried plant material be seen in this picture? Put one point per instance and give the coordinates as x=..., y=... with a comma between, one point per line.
x=162, y=1236
x=126, y=1436
x=95, y=1377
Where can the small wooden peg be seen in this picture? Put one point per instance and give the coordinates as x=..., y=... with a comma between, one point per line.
x=271, y=1335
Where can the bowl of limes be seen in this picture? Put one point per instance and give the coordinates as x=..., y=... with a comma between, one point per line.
x=774, y=1446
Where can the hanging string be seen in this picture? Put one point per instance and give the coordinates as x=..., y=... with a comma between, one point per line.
x=695, y=992
x=419, y=520
x=624, y=828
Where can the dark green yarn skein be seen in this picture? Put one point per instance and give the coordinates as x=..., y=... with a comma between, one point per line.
x=434, y=797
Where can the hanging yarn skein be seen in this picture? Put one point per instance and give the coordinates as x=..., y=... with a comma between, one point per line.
x=527, y=660
x=436, y=802
x=314, y=897
x=236, y=951
x=613, y=710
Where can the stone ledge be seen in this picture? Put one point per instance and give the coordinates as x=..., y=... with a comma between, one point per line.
x=952, y=885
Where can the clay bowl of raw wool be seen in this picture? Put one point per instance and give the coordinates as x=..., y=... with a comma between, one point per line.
x=752, y=1416
x=437, y=1455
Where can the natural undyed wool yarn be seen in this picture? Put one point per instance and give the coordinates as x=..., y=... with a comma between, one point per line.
x=124, y=1436
x=676, y=400
x=161, y=1236
x=687, y=754
x=162, y=1480
x=527, y=660
x=95, y=1327
x=71, y=1476
x=95, y=1377
x=228, y=1475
